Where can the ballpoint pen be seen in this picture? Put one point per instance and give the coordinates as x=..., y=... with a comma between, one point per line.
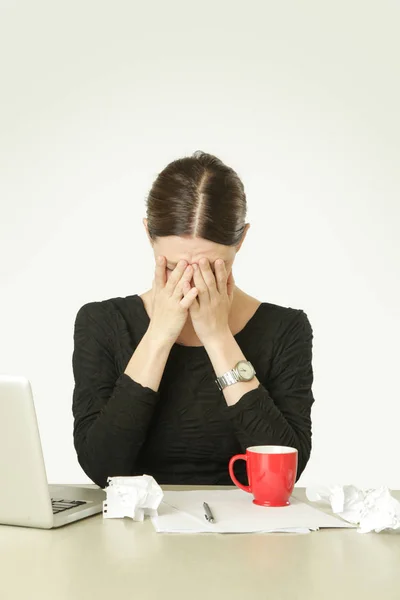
x=208, y=514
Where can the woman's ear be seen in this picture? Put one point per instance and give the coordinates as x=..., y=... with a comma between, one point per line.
x=147, y=230
x=247, y=227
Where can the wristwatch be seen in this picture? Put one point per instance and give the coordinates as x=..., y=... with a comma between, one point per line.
x=242, y=371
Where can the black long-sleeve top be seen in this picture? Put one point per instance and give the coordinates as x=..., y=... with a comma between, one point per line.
x=185, y=433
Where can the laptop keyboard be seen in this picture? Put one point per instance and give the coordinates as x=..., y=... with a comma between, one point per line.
x=59, y=505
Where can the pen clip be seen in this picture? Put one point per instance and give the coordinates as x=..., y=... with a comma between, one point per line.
x=208, y=514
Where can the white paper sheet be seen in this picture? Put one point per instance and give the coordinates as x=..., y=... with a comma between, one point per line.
x=234, y=512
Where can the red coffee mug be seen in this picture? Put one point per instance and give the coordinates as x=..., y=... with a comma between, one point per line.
x=271, y=471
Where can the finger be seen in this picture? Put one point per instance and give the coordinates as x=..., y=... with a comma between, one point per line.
x=207, y=274
x=175, y=276
x=222, y=277
x=189, y=297
x=199, y=282
x=186, y=277
x=195, y=306
x=160, y=276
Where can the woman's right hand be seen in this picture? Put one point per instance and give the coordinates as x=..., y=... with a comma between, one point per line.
x=171, y=298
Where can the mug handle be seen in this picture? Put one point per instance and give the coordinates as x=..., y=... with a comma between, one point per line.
x=246, y=488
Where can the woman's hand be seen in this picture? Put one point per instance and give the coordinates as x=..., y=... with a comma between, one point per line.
x=171, y=300
x=210, y=310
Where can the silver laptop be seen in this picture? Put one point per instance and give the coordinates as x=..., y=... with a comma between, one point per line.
x=26, y=499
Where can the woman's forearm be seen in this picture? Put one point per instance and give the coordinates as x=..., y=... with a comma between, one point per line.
x=224, y=353
x=147, y=363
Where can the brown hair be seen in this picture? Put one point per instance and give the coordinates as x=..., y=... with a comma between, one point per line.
x=197, y=196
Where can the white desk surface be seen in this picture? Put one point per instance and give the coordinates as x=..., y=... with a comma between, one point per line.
x=98, y=558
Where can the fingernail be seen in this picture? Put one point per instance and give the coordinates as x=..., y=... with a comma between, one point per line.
x=195, y=266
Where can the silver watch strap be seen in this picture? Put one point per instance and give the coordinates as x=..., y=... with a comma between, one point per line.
x=226, y=379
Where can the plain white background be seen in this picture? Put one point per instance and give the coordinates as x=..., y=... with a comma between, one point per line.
x=300, y=98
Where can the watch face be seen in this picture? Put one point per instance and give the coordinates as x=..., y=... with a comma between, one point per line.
x=245, y=370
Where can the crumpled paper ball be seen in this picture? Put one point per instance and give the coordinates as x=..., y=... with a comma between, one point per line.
x=132, y=497
x=374, y=509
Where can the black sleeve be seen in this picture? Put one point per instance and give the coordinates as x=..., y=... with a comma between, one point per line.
x=111, y=411
x=278, y=412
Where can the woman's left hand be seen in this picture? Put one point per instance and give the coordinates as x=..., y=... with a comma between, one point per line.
x=210, y=310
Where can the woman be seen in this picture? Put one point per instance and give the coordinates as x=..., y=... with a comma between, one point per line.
x=147, y=398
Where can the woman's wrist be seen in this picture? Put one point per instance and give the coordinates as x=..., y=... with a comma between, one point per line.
x=157, y=341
